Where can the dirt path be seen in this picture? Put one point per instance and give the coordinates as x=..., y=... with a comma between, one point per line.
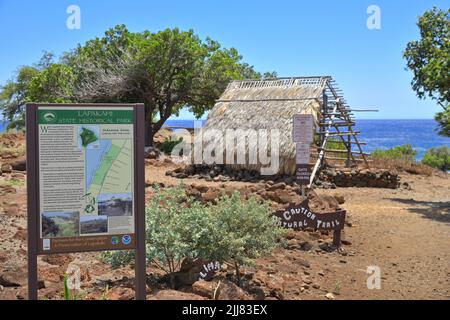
x=406, y=233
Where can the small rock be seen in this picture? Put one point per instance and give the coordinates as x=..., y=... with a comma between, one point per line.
x=330, y=296
x=120, y=293
x=346, y=242
x=280, y=185
x=210, y=195
x=339, y=198
x=176, y=295
x=6, y=168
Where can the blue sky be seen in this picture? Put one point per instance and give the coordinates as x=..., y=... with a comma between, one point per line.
x=294, y=38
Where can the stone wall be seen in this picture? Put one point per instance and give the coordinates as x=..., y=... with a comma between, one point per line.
x=328, y=178
x=375, y=178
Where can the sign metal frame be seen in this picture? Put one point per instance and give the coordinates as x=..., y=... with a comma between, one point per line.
x=32, y=139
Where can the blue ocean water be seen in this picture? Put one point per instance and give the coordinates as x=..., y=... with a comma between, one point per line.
x=383, y=134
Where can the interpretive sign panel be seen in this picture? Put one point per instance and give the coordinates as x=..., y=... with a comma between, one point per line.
x=302, y=128
x=86, y=178
x=303, y=153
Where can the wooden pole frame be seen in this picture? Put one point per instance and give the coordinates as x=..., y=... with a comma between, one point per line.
x=33, y=194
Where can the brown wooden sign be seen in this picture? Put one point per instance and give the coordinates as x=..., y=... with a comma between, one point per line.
x=86, y=181
x=207, y=269
x=303, y=174
x=298, y=217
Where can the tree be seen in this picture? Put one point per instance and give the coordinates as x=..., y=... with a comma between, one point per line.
x=167, y=71
x=429, y=60
x=438, y=158
x=44, y=81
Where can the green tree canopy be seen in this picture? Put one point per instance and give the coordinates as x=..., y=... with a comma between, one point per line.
x=167, y=71
x=429, y=60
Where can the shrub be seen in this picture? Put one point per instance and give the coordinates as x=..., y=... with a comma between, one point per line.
x=179, y=227
x=404, y=152
x=438, y=158
x=168, y=144
x=175, y=228
x=400, y=158
x=244, y=230
x=335, y=143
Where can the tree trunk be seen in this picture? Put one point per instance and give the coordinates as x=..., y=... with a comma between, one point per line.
x=149, y=134
x=238, y=274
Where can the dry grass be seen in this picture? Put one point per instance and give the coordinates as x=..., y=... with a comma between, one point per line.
x=408, y=166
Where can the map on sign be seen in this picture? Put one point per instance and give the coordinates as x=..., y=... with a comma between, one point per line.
x=86, y=173
x=106, y=164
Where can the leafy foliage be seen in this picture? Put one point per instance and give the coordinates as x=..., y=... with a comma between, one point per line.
x=244, y=230
x=168, y=144
x=438, y=158
x=429, y=60
x=179, y=227
x=404, y=152
x=443, y=119
x=167, y=71
x=335, y=143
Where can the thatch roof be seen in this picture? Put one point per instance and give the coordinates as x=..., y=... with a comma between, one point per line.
x=267, y=104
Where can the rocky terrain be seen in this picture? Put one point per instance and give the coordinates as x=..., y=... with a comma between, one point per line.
x=404, y=231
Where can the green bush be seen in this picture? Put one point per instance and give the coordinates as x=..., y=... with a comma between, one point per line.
x=175, y=228
x=178, y=227
x=244, y=230
x=404, y=152
x=438, y=158
x=334, y=143
x=168, y=144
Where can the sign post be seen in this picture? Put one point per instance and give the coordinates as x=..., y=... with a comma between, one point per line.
x=302, y=135
x=86, y=182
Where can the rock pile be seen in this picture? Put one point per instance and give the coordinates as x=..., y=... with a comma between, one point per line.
x=223, y=173
x=378, y=178
x=280, y=193
x=328, y=179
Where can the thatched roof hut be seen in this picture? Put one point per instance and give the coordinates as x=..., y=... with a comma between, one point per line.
x=269, y=105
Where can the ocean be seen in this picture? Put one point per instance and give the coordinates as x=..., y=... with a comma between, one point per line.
x=383, y=134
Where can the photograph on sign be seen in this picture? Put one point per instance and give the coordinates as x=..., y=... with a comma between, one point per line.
x=302, y=128
x=303, y=153
x=86, y=177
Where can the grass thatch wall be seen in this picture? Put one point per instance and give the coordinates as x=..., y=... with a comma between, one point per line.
x=238, y=109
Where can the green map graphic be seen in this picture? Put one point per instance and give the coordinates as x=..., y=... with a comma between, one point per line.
x=114, y=174
x=87, y=137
